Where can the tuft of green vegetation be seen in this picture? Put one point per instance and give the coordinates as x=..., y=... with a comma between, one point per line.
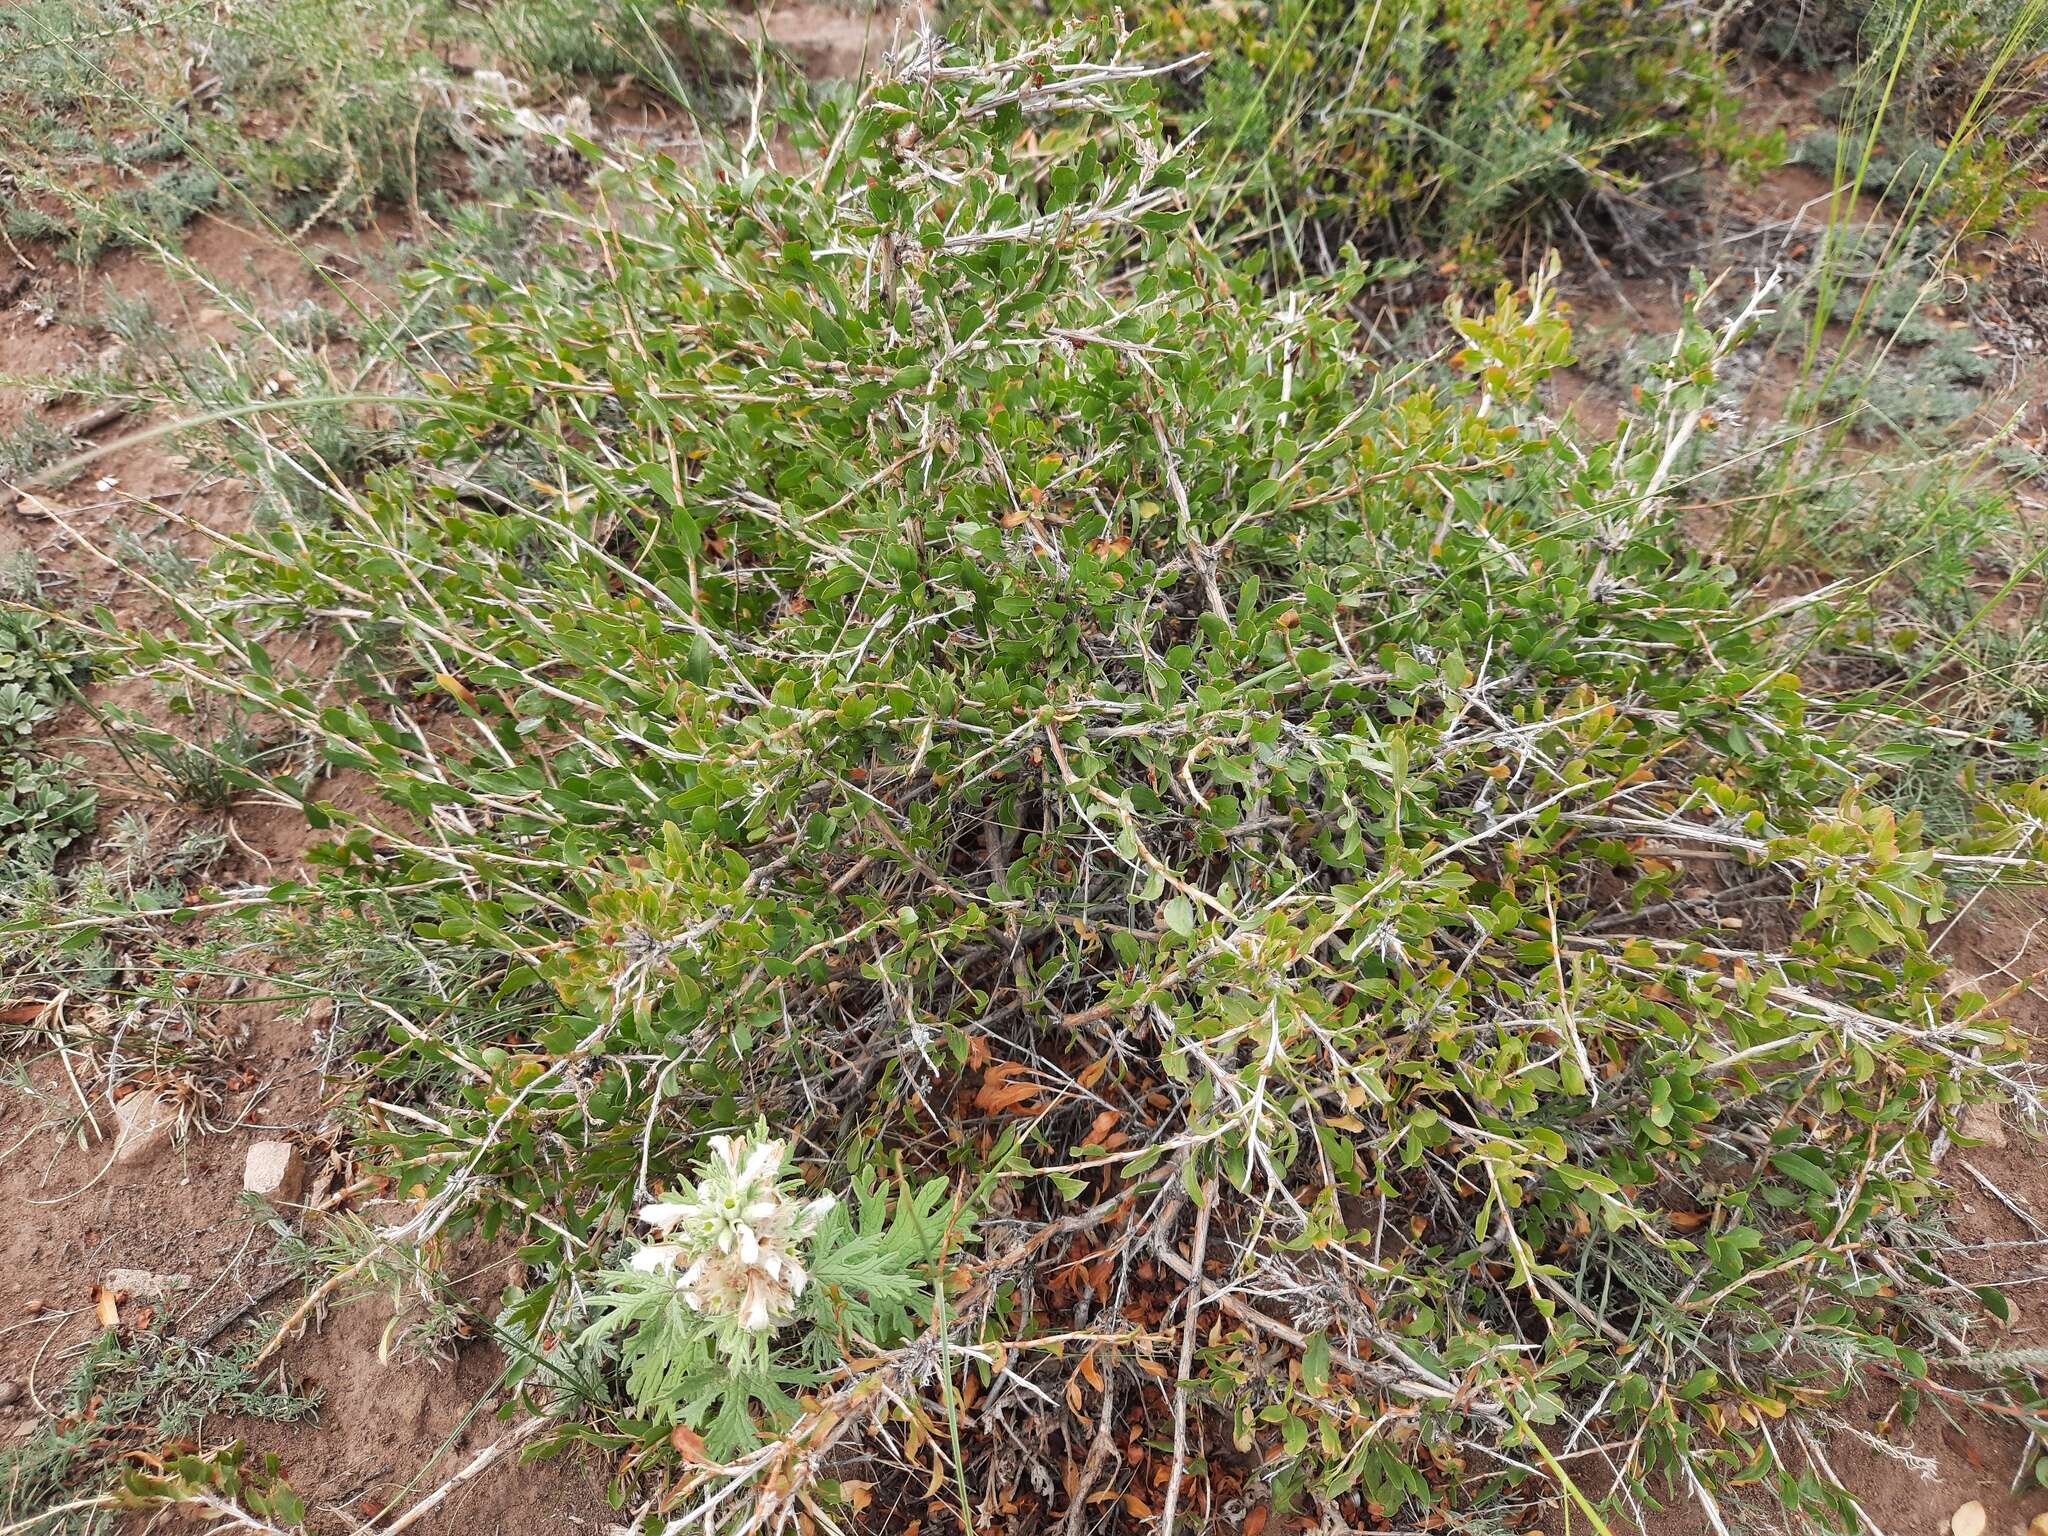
x=919, y=651
x=1466, y=132
x=1950, y=81
x=690, y=1322
x=44, y=806
x=1878, y=479
x=33, y=443
x=129, y=1422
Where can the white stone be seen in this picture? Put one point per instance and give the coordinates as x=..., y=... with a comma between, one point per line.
x=142, y=1285
x=1982, y=1122
x=274, y=1170
x=144, y=1122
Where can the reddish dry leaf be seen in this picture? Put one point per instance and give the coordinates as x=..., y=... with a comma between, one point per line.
x=1968, y=1452
x=1088, y=1371
x=1000, y=1094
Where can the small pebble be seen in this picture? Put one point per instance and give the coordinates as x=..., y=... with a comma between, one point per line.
x=144, y=1124
x=10, y=1393
x=275, y=1171
x=141, y=1285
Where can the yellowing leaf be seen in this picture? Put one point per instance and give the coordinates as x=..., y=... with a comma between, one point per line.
x=455, y=686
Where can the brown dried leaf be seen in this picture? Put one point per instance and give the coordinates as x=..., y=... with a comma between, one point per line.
x=690, y=1446
x=999, y=1092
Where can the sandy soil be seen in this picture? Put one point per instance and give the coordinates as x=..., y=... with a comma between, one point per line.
x=384, y=1435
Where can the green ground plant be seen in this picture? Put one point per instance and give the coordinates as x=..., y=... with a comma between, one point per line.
x=922, y=651
x=1467, y=132
x=44, y=807
x=131, y=1416
x=1950, y=83
x=740, y=1256
x=1880, y=473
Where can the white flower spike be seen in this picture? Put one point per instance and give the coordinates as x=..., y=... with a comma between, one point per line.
x=734, y=1239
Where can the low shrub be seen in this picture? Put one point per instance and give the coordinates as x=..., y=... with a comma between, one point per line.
x=916, y=652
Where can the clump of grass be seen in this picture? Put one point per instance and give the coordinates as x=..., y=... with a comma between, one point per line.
x=1982, y=190
x=1962, y=114
x=673, y=49
x=55, y=54
x=918, y=652
x=1878, y=478
x=32, y=443
x=128, y=123
x=428, y=1320
x=218, y=756
x=1956, y=45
